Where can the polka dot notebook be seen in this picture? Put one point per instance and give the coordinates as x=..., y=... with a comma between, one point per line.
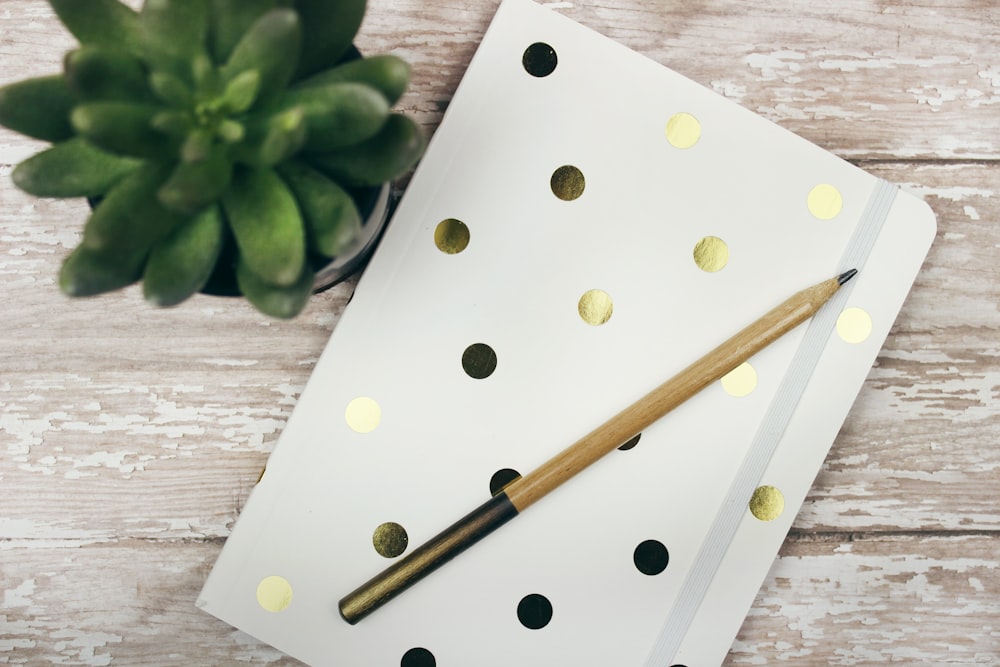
x=585, y=223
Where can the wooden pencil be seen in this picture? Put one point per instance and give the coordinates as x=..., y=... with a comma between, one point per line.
x=523, y=492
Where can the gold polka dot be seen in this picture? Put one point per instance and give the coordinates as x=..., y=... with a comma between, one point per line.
x=711, y=254
x=854, y=325
x=363, y=414
x=825, y=201
x=451, y=236
x=767, y=503
x=740, y=381
x=683, y=130
x=274, y=593
x=260, y=478
x=567, y=183
x=390, y=539
x=595, y=307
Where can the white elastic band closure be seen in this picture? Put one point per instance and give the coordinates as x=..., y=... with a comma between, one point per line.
x=768, y=435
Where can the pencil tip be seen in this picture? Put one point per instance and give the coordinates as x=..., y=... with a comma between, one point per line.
x=846, y=275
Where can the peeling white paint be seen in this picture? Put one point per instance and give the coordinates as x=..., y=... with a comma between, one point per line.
x=971, y=212
x=936, y=96
x=20, y=595
x=859, y=598
x=954, y=193
x=13, y=530
x=84, y=646
x=770, y=64
x=852, y=61
x=221, y=361
x=730, y=89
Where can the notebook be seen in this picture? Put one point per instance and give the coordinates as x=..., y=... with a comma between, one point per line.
x=585, y=223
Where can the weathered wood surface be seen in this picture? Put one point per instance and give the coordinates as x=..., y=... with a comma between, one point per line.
x=130, y=437
x=904, y=599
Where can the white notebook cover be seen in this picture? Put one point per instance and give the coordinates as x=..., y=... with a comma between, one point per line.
x=652, y=194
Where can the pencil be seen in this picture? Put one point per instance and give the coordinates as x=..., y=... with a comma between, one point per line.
x=631, y=421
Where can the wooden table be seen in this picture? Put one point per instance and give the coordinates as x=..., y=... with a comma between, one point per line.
x=130, y=437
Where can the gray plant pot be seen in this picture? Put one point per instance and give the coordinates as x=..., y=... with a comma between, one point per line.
x=357, y=254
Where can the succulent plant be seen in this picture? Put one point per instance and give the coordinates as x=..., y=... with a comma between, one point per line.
x=223, y=144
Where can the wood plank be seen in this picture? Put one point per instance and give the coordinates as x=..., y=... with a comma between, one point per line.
x=36, y=234
x=162, y=414
x=909, y=600
x=913, y=600
x=865, y=79
x=112, y=454
x=125, y=604
x=862, y=78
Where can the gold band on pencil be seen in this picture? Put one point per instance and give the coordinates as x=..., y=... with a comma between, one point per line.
x=447, y=544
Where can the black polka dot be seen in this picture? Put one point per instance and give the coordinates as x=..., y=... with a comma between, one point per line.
x=632, y=442
x=479, y=361
x=418, y=657
x=651, y=557
x=502, y=478
x=534, y=611
x=539, y=59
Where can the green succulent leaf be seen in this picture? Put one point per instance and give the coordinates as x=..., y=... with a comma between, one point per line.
x=39, y=108
x=241, y=92
x=231, y=19
x=171, y=89
x=198, y=145
x=87, y=272
x=130, y=220
x=98, y=73
x=387, y=74
x=331, y=217
x=124, y=128
x=231, y=131
x=194, y=185
x=387, y=155
x=330, y=28
x=282, y=302
x=273, y=139
x=212, y=168
x=173, y=33
x=106, y=23
x=174, y=123
x=267, y=225
x=180, y=265
x=207, y=80
x=73, y=168
x=271, y=47
x=339, y=114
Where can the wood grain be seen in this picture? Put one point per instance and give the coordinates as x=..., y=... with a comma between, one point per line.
x=130, y=437
x=902, y=599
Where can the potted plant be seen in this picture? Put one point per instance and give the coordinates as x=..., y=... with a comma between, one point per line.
x=225, y=146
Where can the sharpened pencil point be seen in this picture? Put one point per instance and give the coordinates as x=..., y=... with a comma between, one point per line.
x=846, y=275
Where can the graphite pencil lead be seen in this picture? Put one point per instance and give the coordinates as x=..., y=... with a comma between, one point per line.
x=846, y=275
